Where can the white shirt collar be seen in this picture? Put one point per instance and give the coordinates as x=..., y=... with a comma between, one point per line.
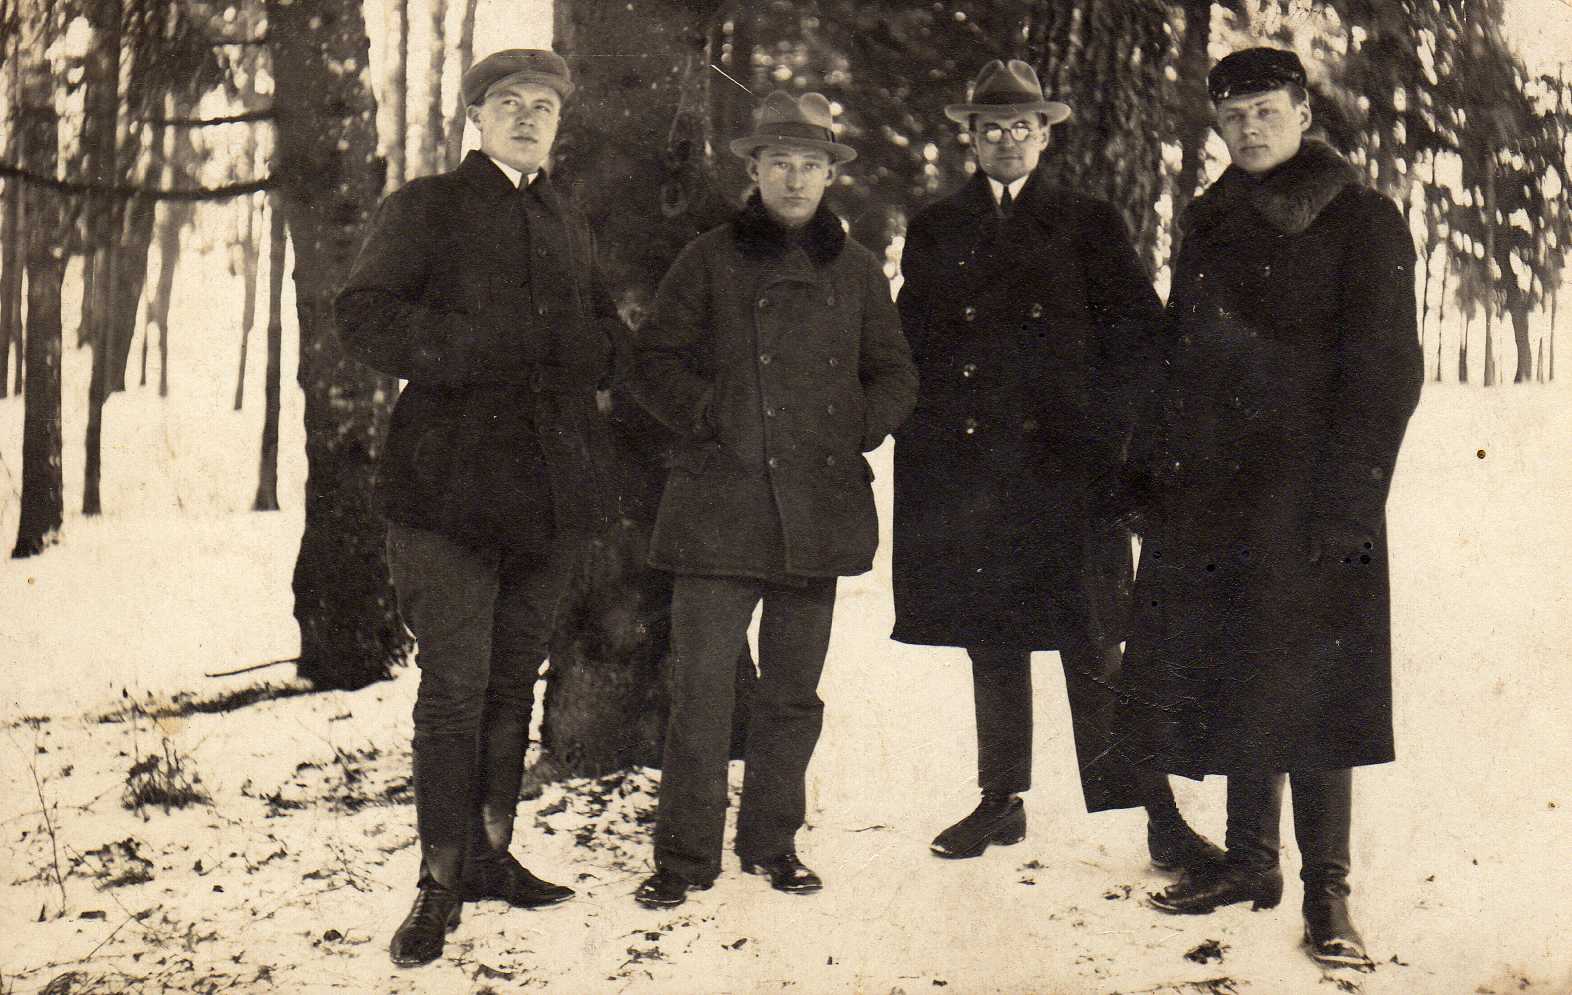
x=1015, y=188
x=514, y=175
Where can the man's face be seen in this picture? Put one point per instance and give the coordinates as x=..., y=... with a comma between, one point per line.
x=1262, y=130
x=791, y=181
x=1010, y=157
x=517, y=123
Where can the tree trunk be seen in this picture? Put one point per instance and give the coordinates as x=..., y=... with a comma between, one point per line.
x=605, y=704
x=11, y=234
x=174, y=215
x=1446, y=273
x=130, y=277
x=43, y=498
x=1462, y=351
x=454, y=149
x=350, y=633
x=250, y=253
x=1110, y=54
x=431, y=135
x=100, y=138
x=1490, y=258
x=398, y=92
x=1195, y=104
x=1550, y=373
x=267, y=474
x=1525, y=351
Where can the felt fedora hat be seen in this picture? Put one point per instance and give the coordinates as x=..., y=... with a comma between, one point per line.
x=526, y=65
x=802, y=122
x=1005, y=87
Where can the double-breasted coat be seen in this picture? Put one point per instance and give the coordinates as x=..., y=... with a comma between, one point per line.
x=484, y=298
x=1027, y=333
x=1293, y=363
x=778, y=359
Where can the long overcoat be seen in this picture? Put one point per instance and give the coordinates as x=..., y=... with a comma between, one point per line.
x=778, y=359
x=1293, y=365
x=485, y=299
x=1026, y=332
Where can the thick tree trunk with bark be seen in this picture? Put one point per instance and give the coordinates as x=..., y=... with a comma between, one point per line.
x=618, y=155
x=398, y=95
x=267, y=474
x=330, y=180
x=42, y=502
x=431, y=133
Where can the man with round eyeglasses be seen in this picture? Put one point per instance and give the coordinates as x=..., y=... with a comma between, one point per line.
x=1028, y=314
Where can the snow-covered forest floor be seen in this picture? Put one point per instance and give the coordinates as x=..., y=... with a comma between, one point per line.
x=296, y=858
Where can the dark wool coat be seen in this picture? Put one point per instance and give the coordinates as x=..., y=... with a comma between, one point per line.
x=1293, y=364
x=1026, y=333
x=779, y=360
x=484, y=298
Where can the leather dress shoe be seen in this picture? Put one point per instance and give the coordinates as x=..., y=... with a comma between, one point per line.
x=419, y=938
x=787, y=874
x=666, y=889
x=1174, y=846
x=997, y=819
x=1201, y=891
x=506, y=879
x=1330, y=935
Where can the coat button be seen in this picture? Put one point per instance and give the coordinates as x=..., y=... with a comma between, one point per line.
x=541, y=310
x=829, y=409
x=773, y=462
x=541, y=252
x=1029, y=425
x=829, y=461
x=971, y=426
x=969, y=312
x=769, y=412
x=1037, y=310
x=830, y=300
x=764, y=302
x=764, y=358
x=834, y=361
x=969, y=370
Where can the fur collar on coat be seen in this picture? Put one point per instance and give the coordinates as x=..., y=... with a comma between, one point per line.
x=761, y=236
x=1289, y=197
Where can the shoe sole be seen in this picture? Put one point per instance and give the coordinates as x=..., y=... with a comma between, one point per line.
x=1256, y=905
x=1362, y=963
x=1009, y=839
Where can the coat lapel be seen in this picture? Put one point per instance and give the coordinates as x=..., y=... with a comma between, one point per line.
x=1004, y=246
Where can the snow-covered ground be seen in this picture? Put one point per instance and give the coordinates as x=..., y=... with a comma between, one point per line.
x=291, y=877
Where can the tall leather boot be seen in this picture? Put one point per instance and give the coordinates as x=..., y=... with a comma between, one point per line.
x=443, y=778
x=1250, y=872
x=1323, y=815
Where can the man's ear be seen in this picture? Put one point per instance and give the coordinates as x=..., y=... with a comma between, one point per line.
x=753, y=168
x=1305, y=117
x=472, y=112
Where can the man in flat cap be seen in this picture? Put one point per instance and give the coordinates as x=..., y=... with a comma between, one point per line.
x=775, y=354
x=1028, y=313
x=1262, y=640
x=478, y=287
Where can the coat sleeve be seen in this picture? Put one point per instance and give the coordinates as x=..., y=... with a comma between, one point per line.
x=1127, y=317
x=383, y=322
x=889, y=378
x=1380, y=369
x=913, y=301
x=671, y=376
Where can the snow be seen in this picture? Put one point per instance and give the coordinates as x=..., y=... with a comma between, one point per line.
x=293, y=875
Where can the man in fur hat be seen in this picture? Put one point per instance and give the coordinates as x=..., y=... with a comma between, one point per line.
x=1029, y=316
x=1262, y=639
x=775, y=352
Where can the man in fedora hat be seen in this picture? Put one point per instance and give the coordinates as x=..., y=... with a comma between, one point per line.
x=477, y=287
x=1262, y=642
x=1028, y=313
x=775, y=354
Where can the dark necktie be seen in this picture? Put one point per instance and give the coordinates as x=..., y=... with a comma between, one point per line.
x=1005, y=203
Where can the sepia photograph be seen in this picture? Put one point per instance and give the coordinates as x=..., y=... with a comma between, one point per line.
x=1034, y=497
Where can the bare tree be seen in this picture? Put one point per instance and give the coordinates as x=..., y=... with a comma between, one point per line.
x=267, y=474
x=398, y=94
x=431, y=146
x=11, y=238
x=466, y=56
x=250, y=256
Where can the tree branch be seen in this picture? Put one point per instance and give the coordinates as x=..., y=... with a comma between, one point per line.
x=204, y=122
x=125, y=190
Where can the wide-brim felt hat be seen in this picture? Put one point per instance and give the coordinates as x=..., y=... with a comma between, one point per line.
x=800, y=122
x=525, y=65
x=1004, y=88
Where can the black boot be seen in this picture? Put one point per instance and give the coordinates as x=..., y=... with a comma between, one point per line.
x=666, y=889
x=1250, y=872
x=444, y=783
x=999, y=818
x=1173, y=845
x=419, y=938
x=786, y=873
x=1323, y=814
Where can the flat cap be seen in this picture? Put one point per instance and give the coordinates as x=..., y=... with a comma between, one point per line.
x=528, y=65
x=1254, y=70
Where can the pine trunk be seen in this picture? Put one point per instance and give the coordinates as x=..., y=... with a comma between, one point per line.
x=1194, y=63
x=249, y=258
x=431, y=145
x=350, y=633
x=605, y=707
x=100, y=134
x=1446, y=273
x=1462, y=352
x=11, y=234
x=1518, y=311
x=43, y=490
x=267, y=474
x=454, y=148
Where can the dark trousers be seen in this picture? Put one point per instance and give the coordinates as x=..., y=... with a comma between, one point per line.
x=709, y=626
x=482, y=621
x=1323, y=815
x=1002, y=696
